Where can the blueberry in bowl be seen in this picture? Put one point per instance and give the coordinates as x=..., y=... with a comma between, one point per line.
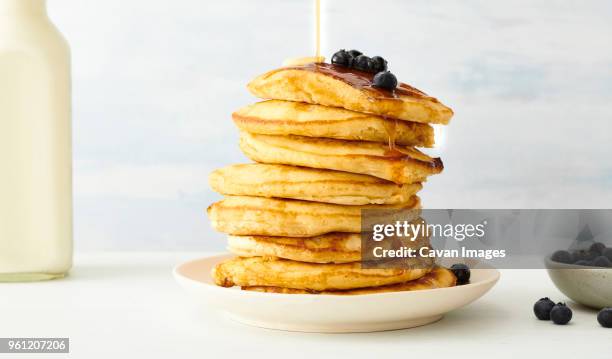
x=597, y=248
x=562, y=257
x=583, y=255
x=601, y=261
x=586, y=278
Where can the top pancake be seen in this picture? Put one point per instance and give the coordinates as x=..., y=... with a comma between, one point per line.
x=276, y=117
x=331, y=85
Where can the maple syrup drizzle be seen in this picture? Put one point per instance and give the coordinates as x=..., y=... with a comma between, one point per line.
x=391, y=128
x=362, y=80
x=318, y=28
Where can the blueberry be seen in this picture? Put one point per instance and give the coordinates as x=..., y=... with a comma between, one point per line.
x=583, y=262
x=354, y=53
x=583, y=255
x=591, y=255
x=562, y=257
x=608, y=253
x=378, y=64
x=385, y=80
x=597, y=248
x=542, y=308
x=462, y=272
x=601, y=261
x=341, y=58
x=362, y=63
x=605, y=317
x=561, y=314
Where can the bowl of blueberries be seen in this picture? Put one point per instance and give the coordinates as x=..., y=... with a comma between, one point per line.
x=584, y=275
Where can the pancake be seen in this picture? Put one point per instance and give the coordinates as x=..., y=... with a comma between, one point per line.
x=330, y=85
x=438, y=278
x=259, y=216
x=275, y=117
x=401, y=165
x=309, y=184
x=275, y=272
x=327, y=248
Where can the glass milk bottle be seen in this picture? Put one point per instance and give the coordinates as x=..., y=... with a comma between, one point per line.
x=35, y=145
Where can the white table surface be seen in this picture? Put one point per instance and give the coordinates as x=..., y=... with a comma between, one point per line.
x=127, y=305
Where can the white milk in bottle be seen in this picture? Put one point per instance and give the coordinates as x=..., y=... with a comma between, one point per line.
x=35, y=145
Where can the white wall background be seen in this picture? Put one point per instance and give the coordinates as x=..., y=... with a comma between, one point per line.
x=155, y=82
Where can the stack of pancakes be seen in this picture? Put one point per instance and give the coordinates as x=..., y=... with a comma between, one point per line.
x=326, y=145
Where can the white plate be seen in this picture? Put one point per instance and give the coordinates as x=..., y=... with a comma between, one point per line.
x=330, y=313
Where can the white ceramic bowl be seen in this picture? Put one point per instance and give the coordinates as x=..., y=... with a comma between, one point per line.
x=591, y=286
x=330, y=313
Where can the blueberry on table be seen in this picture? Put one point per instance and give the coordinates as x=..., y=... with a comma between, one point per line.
x=378, y=64
x=462, y=272
x=542, y=308
x=354, y=53
x=608, y=253
x=341, y=58
x=561, y=314
x=362, y=63
x=601, y=261
x=597, y=248
x=562, y=257
x=385, y=80
x=604, y=317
